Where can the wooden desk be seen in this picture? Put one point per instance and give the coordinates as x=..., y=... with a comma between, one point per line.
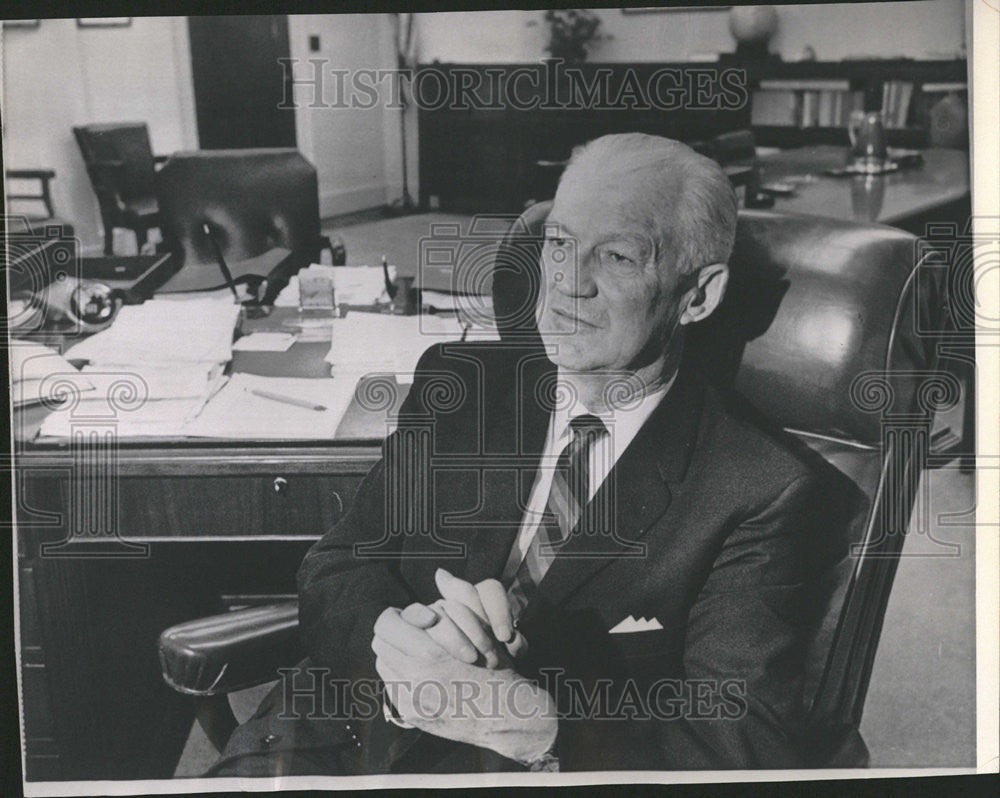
x=936, y=191
x=146, y=534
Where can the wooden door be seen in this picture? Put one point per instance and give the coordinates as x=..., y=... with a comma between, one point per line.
x=239, y=81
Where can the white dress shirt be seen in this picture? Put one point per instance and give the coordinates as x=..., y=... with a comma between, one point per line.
x=622, y=424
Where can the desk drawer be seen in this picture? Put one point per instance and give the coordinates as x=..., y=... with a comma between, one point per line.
x=210, y=506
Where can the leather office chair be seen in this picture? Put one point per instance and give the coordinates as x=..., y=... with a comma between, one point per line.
x=736, y=152
x=817, y=333
x=261, y=208
x=122, y=170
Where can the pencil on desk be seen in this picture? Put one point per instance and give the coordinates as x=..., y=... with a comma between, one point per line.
x=288, y=400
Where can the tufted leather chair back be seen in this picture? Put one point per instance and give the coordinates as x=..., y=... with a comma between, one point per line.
x=823, y=332
x=253, y=201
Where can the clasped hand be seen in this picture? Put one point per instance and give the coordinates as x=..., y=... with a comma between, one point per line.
x=449, y=670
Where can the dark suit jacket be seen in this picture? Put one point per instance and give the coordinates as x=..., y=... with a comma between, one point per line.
x=733, y=529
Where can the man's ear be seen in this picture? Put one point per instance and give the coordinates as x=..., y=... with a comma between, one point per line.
x=706, y=295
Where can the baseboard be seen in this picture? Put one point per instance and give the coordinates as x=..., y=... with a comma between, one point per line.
x=335, y=202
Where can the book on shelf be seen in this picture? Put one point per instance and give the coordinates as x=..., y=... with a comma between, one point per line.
x=824, y=111
x=773, y=108
x=798, y=103
x=896, y=96
x=945, y=88
x=810, y=109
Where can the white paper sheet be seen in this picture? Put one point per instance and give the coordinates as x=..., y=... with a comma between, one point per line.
x=363, y=343
x=264, y=342
x=38, y=373
x=235, y=412
x=164, y=331
x=154, y=418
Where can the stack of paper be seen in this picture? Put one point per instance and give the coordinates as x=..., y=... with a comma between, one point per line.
x=283, y=408
x=153, y=369
x=40, y=374
x=143, y=402
x=265, y=342
x=361, y=285
x=164, y=331
x=352, y=285
x=364, y=343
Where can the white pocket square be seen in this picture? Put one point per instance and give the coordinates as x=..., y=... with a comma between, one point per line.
x=630, y=624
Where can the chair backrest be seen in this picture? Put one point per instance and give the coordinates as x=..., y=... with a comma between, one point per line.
x=736, y=147
x=252, y=200
x=119, y=159
x=821, y=332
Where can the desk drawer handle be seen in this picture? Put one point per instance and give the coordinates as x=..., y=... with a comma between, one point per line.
x=280, y=486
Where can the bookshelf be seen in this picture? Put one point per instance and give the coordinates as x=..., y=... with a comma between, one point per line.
x=805, y=103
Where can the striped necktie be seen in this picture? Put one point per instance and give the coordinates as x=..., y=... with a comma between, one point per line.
x=567, y=499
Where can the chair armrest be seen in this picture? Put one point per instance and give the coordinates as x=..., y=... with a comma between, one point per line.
x=108, y=164
x=336, y=248
x=29, y=174
x=223, y=653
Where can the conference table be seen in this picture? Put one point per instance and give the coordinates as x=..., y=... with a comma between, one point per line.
x=193, y=527
x=910, y=198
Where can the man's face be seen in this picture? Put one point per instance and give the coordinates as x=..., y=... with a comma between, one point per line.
x=605, y=303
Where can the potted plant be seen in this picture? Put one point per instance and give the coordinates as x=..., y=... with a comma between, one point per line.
x=571, y=32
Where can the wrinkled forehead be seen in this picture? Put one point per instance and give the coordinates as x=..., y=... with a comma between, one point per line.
x=601, y=197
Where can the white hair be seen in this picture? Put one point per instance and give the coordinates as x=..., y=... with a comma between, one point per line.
x=704, y=212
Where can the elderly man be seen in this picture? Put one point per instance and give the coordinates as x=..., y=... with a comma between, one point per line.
x=612, y=570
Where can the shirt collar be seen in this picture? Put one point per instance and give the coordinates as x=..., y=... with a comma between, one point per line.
x=624, y=421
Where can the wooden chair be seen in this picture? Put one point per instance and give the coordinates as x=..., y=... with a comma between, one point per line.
x=122, y=170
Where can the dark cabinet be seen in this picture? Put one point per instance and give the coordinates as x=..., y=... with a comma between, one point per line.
x=490, y=133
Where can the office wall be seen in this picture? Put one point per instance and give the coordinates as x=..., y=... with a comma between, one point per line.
x=355, y=149
x=58, y=75
x=925, y=29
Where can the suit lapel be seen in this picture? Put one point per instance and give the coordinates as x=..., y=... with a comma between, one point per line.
x=636, y=492
x=527, y=418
